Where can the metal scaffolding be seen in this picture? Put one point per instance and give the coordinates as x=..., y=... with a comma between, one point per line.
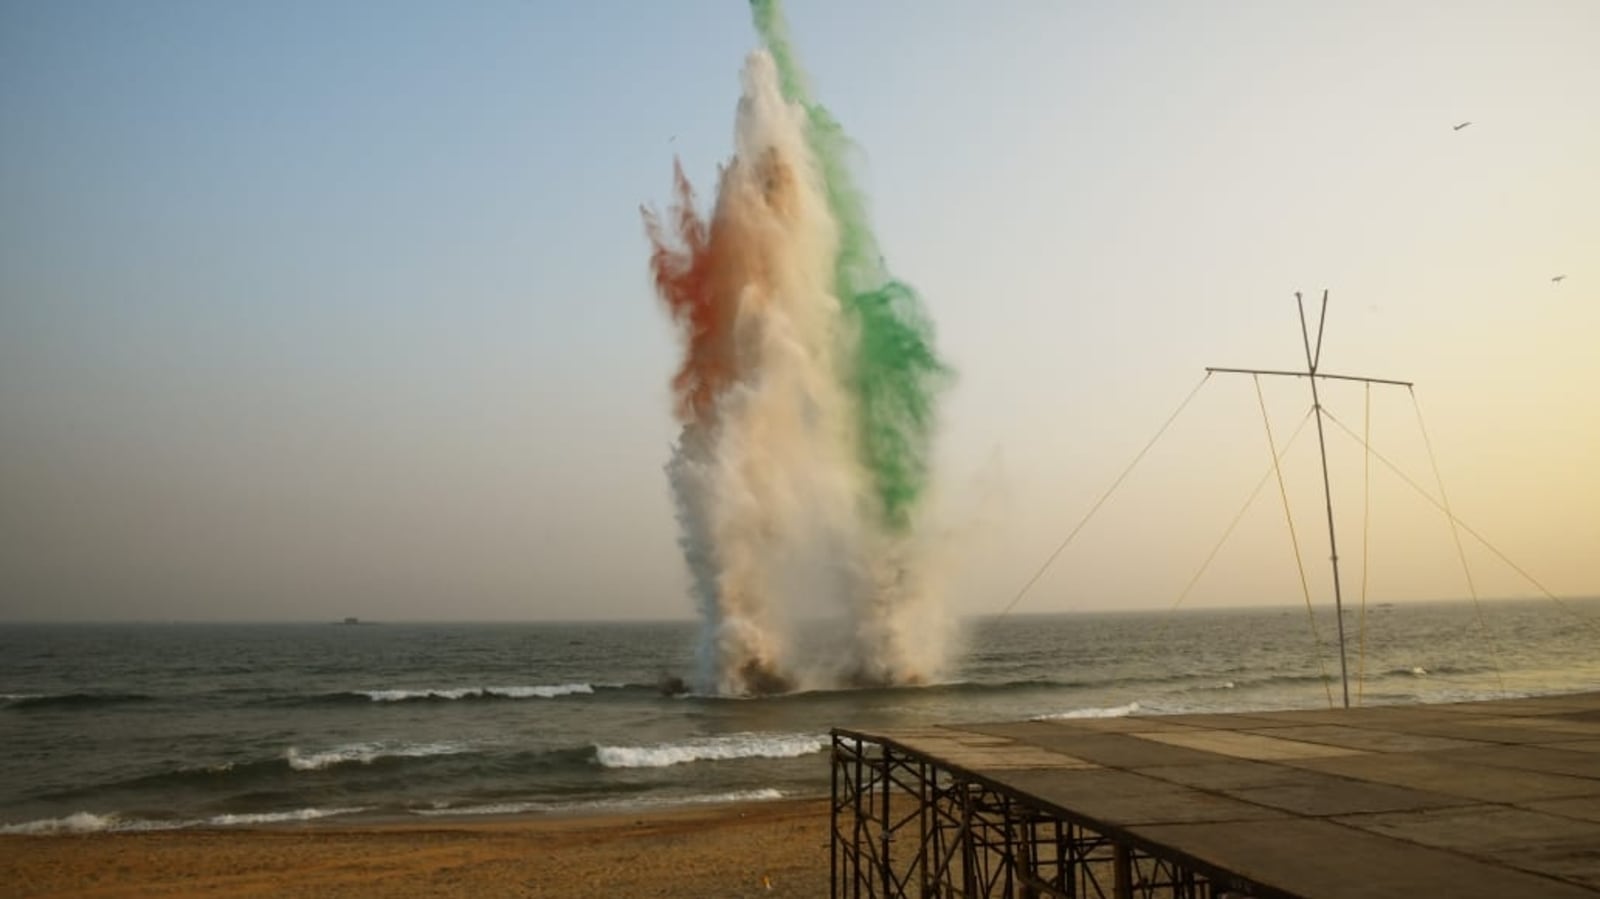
x=905, y=826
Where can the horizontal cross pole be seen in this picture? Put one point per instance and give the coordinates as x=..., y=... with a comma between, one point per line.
x=1306, y=374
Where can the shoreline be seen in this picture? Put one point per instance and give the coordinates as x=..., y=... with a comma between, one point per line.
x=774, y=848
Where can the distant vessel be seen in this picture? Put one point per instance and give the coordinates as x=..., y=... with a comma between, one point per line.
x=352, y=621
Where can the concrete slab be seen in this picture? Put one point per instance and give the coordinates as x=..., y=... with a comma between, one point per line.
x=1130, y=724
x=1393, y=801
x=1331, y=861
x=1238, y=744
x=1527, y=758
x=1583, y=808
x=1233, y=774
x=1219, y=722
x=1368, y=738
x=1488, y=730
x=979, y=752
x=940, y=732
x=1111, y=750
x=1538, y=705
x=1528, y=840
x=985, y=760
x=1324, y=796
x=1481, y=782
x=1579, y=727
x=1117, y=799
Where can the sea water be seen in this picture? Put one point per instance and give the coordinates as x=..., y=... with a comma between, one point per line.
x=148, y=726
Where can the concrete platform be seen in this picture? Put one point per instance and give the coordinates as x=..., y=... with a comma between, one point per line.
x=1489, y=799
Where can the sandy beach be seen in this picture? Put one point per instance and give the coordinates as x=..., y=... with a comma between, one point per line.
x=771, y=849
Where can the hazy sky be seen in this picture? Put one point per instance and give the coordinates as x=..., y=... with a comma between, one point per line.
x=318, y=309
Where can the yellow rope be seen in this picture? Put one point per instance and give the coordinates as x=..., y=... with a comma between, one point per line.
x=1455, y=534
x=1582, y=617
x=1103, y=497
x=1366, y=530
x=1249, y=501
x=1305, y=588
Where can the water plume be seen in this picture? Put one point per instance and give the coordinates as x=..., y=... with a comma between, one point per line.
x=806, y=396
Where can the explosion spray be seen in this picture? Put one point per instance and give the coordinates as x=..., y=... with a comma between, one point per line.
x=807, y=398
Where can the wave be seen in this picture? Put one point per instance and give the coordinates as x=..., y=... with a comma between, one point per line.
x=546, y=691
x=1119, y=711
x=366, y=754
x=455, y=694
x=303, y=814
x=89, y=822
x=278, y=774
x=716, y=749
x=25, y=701
x=601, y=805
x=1431, y=670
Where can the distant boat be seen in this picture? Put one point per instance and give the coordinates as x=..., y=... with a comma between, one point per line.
x=352, y=621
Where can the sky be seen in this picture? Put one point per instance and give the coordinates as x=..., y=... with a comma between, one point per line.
x=314, y=310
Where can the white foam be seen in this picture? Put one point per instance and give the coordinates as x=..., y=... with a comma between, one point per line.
x=365, y=753
x=1120, y=711
x=402, y=695
x=303, y=814
x=78, y=822
x=88, y=822
x=519, y=808
x=538, y=691
x=734, y=746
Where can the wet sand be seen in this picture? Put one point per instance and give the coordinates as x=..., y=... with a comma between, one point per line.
x=769, y=849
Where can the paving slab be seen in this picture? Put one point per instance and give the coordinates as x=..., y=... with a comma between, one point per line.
x=1243, y=745
x=1488, y=730
x=1392, y=801
x=1242, y=721
x=1540, y=705
x=1583, y=808
x=1551, y=760
x=1125, y=725
x=1331, y=861
x=1481, y=782
x=1577, y=725
x=1368, y=738
x=1118, y=799
x=1532, y=841
x=1234, y=774
x=1323, y=796
x=978, y=752
x=1111, y=750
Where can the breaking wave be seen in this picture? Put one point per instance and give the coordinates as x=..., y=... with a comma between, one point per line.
x=601, y=805
x=26, y=701
x=541, y=691
x=88, y=822
x=366, y=754
x=726, y=748
x=1119, y=711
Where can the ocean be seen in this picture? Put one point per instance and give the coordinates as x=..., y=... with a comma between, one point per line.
x=157, y=726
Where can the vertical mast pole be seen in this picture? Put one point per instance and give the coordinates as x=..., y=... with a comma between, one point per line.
x=1327, y=490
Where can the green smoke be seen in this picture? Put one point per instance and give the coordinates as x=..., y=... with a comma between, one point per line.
x=896, y=373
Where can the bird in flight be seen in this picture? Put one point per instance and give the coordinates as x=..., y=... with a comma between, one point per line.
x=1559, y=278
x=1460, y=126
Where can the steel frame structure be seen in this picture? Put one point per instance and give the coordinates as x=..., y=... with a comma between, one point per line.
x=905, y=825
